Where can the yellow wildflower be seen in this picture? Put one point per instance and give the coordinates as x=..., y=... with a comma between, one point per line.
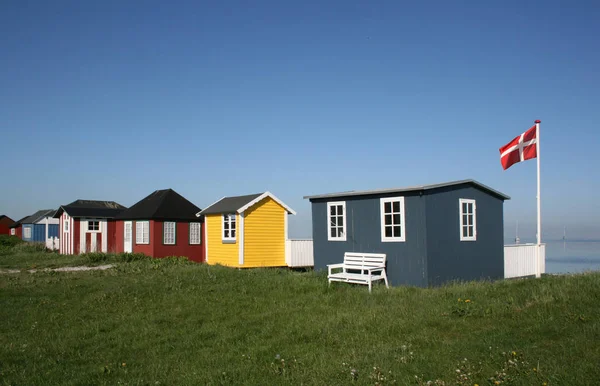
x=468, y=301
x=123, y=364
x=514, y=354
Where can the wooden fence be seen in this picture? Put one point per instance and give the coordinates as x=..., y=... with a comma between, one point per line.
x=522, y=260
x=299, y=253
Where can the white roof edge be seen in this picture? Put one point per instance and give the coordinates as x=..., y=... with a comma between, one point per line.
x=203, y=210
x=263, y=196
x=407, y=189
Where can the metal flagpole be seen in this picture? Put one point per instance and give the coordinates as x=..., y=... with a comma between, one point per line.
x=539, y=206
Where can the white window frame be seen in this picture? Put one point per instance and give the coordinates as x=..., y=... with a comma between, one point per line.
x=196, y=233
x=392, y=239
x=344, y=223
x=229, y=218
x=25, y=231
x=139, y=234
x=467, y=201
x=66, y=225
x=12, y=231
x=93, y=230
x=170, y=224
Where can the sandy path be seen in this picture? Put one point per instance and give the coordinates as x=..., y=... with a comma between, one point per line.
x=62, y=269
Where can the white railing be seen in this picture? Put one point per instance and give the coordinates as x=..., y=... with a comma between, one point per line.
x=521, y=260
x=52, y=243
x=299, y=253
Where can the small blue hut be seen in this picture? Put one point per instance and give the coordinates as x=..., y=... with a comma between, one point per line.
x=431, y=234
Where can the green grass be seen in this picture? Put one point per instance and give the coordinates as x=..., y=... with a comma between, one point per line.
x=168, y=322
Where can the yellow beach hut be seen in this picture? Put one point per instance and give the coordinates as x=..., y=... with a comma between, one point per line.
x=247, y=231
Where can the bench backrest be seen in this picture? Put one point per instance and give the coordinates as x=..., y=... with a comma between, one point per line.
x=364, y=260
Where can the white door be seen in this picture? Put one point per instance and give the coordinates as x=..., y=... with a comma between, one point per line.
x=127, y=242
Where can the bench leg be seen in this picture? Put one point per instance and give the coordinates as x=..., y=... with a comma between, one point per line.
x=385, y=279
x=370, y=285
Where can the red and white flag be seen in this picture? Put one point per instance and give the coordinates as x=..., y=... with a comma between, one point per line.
x=521, y=148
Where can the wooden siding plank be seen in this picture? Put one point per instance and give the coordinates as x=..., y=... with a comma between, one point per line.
x=264, y=235
x=220, y=253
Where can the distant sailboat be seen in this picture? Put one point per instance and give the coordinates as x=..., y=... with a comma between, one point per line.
x=517, y=239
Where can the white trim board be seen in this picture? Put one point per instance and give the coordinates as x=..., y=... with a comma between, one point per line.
x=206, y=240
x=262, y=197
x=240, y=230
x=219, y=200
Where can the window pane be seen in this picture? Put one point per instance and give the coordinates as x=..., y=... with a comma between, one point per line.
x=226, y=225
x=340, y=210
x=388, y=231
x=333, y=221
x=233, y=224
x=396, y=206
x=464, y=207
x=340, y=221
x=332, y=233
x=340, y=232
x=233, y=233
x=465, y=232
x=470, y=219
x=397, y=219
x=387, y=207
x=396, y=231
x=470, y=231
x=332, y=210
x=465, y=219
x=388, y=219
x=226, y=233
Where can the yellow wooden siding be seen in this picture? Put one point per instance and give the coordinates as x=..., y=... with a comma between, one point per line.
x=264, y=235
x=219, y=253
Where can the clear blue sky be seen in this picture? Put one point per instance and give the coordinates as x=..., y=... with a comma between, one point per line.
x=111, y=100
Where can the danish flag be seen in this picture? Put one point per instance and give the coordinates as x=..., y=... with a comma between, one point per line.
x=521, y=148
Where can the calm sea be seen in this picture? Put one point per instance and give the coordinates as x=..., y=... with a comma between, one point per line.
x=572, y=256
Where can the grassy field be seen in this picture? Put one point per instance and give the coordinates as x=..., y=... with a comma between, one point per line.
x=169, y=322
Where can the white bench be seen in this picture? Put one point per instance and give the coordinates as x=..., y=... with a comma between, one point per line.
x=359, y=268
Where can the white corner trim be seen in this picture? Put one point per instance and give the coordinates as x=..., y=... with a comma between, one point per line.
x=205, y=209
x=205, y=240
x=240, y=232
x=402, y=237
x=262, y=197
x=285, y=238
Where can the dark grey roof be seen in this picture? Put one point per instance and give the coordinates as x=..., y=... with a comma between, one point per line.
x=37, y=216
x=164, y=204
x=230, y=204
x=17, y=223
x=91, y=208
x=411, y=189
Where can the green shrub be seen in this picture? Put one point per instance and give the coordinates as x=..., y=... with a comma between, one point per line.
x=95, y=257
x=10, y=241
x=129, y=257
x=30, y=247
